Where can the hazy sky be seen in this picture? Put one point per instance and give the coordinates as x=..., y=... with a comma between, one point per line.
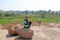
x=30, y=5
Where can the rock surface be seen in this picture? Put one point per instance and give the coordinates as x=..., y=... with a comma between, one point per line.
x=25, y=32
x=40, y=33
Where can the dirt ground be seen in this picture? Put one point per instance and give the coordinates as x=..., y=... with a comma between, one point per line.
x=40, y=33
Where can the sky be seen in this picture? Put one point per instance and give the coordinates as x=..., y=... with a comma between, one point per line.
x=30, y=5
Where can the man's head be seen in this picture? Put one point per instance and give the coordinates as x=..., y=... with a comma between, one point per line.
x=26, y=17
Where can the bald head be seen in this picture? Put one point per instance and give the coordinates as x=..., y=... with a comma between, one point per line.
x=26, y=17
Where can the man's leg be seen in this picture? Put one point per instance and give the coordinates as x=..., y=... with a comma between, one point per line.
x=29, y=24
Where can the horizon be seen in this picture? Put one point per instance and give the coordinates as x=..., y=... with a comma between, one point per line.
x=35, y=5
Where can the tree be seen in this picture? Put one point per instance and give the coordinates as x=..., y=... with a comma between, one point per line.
x=1, y=15
x=7, y=14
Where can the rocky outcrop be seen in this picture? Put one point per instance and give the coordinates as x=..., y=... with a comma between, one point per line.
x=25, y=32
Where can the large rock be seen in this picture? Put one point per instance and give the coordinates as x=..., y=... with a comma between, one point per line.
x=1, y=26
x=25, y=32
x=11, y=32
x=12, y=29
x=54, y=25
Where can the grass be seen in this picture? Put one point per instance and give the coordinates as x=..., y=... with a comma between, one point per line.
x=50, y=19
x=21, y=19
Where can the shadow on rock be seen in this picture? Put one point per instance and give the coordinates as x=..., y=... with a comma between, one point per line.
x=19, y=38
x=10, y=35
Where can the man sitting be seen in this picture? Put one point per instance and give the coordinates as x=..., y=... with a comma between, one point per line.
x=27, y=22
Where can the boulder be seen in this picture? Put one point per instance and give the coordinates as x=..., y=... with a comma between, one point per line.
x=52, y=25
x=12, y=29
x=1, y=26
x=11, y=32
x=25, y=32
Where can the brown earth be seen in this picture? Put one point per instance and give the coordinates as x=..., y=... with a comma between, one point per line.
x=40, y=33
x=48, y=24
x=46, y=31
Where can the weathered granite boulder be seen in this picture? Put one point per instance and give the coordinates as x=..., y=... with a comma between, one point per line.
x=54, y=25
x=12, y=29
x=11, y=32
x=25, y=32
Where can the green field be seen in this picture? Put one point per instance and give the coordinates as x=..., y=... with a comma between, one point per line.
x=21, y=19
x=18, y=16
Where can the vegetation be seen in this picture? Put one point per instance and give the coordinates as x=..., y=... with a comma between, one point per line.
x=18, y=16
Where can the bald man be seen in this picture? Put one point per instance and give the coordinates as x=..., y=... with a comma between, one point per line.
x=27, y=22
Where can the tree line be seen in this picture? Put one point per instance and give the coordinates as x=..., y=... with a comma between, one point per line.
x=39, y=13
